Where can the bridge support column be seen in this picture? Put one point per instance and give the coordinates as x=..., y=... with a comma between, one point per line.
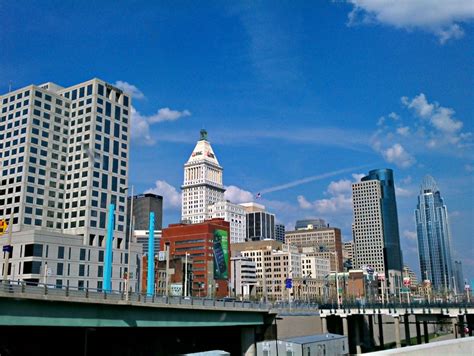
x=382, y=343
x=461, y=325
x=425, y=332
x=247, y=341
x=406, y=319
x=356, y=327
x=345, y=326
x=371, y=331
x=396, y=320
x=324, y=325
x=454, y=323
x=418, y=331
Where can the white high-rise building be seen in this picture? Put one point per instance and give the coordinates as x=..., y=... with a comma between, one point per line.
x=65, y=155
x=375, y=227
x=367, y=227
x=234, y=214
x=202, y=182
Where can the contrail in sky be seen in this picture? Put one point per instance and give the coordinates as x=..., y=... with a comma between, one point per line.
x=309, y=179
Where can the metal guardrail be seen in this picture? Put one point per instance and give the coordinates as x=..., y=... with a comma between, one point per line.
x=454, y=306
x=15, y=289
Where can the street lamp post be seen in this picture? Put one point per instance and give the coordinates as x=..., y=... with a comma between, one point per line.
x=130, y=232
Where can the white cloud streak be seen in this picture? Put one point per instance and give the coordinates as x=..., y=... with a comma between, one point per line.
x=308, y=180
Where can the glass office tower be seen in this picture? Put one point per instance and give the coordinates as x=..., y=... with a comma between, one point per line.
x=434, y=238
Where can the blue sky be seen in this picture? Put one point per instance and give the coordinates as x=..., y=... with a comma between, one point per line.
x=286, y=90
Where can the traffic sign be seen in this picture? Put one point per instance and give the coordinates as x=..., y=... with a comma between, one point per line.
x=161, y=255
x=405, y=289
x=8, y=248
x=406, y=281
x=288, y=283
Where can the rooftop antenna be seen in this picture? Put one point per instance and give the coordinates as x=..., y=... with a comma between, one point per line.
x=9, y=86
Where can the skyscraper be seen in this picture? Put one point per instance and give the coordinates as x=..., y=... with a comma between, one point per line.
x=375, y=227
x=434, y=238
x=64, y=153
x=202, y=182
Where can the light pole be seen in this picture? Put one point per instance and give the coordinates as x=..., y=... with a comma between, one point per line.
x=186, y=274
x=130, y=234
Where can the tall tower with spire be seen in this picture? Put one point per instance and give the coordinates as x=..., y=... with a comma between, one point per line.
x=202, y=182
x=434, y=238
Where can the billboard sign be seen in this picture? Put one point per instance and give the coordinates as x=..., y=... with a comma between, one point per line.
x=176, y=289
x=221, y=254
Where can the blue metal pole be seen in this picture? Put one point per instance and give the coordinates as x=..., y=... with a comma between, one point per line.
x=150, y=287
x=108, y=249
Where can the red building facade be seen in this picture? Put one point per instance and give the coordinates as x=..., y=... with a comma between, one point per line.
x=208, y=244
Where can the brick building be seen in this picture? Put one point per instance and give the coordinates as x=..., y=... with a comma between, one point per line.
x=208, y=245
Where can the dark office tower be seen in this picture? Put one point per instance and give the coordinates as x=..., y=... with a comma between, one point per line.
x=458, y=278
x=434, y=239
x=375, y=227
x=143, y=205
x=280, y=232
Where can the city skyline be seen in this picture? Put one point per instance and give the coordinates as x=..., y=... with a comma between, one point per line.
x=294, y=97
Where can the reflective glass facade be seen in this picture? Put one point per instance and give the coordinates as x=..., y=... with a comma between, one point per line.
x=434, y=238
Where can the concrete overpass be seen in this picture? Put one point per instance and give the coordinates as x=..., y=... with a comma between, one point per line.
x=166, y=325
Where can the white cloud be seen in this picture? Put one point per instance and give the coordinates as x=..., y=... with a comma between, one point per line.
x=340, y=187
x=440, y=17
x=130, y=89
x=453, y=31
x=237, y=195
x=403, y=192
x=433, y=126
x=419, y=104
x=397, y=155
x=394, y=116
x=410, y=235
x=140, y=124
x=403, y=131
x=357, y=176
x=333, y=204
x=303, y=203
x=140, y=129
x=166, y=114
x=171, y=197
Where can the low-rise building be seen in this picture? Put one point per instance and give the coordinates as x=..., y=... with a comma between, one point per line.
x=243, y=277
x=207, y=243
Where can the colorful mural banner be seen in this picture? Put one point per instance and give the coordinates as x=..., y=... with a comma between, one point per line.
x=221, y=254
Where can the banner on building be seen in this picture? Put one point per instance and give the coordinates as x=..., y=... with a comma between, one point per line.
x=221, y=254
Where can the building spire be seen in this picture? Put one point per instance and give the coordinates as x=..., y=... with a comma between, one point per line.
x=203, y=133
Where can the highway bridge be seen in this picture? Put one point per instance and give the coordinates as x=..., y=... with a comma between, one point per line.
x=34, y=318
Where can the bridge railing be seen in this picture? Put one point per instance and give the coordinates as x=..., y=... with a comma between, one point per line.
x=399, y=306
x=14, y=288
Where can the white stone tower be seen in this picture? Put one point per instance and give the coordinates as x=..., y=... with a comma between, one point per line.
x=202, y=182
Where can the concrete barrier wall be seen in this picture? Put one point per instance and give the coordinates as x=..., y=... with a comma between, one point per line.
x=463, y=346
